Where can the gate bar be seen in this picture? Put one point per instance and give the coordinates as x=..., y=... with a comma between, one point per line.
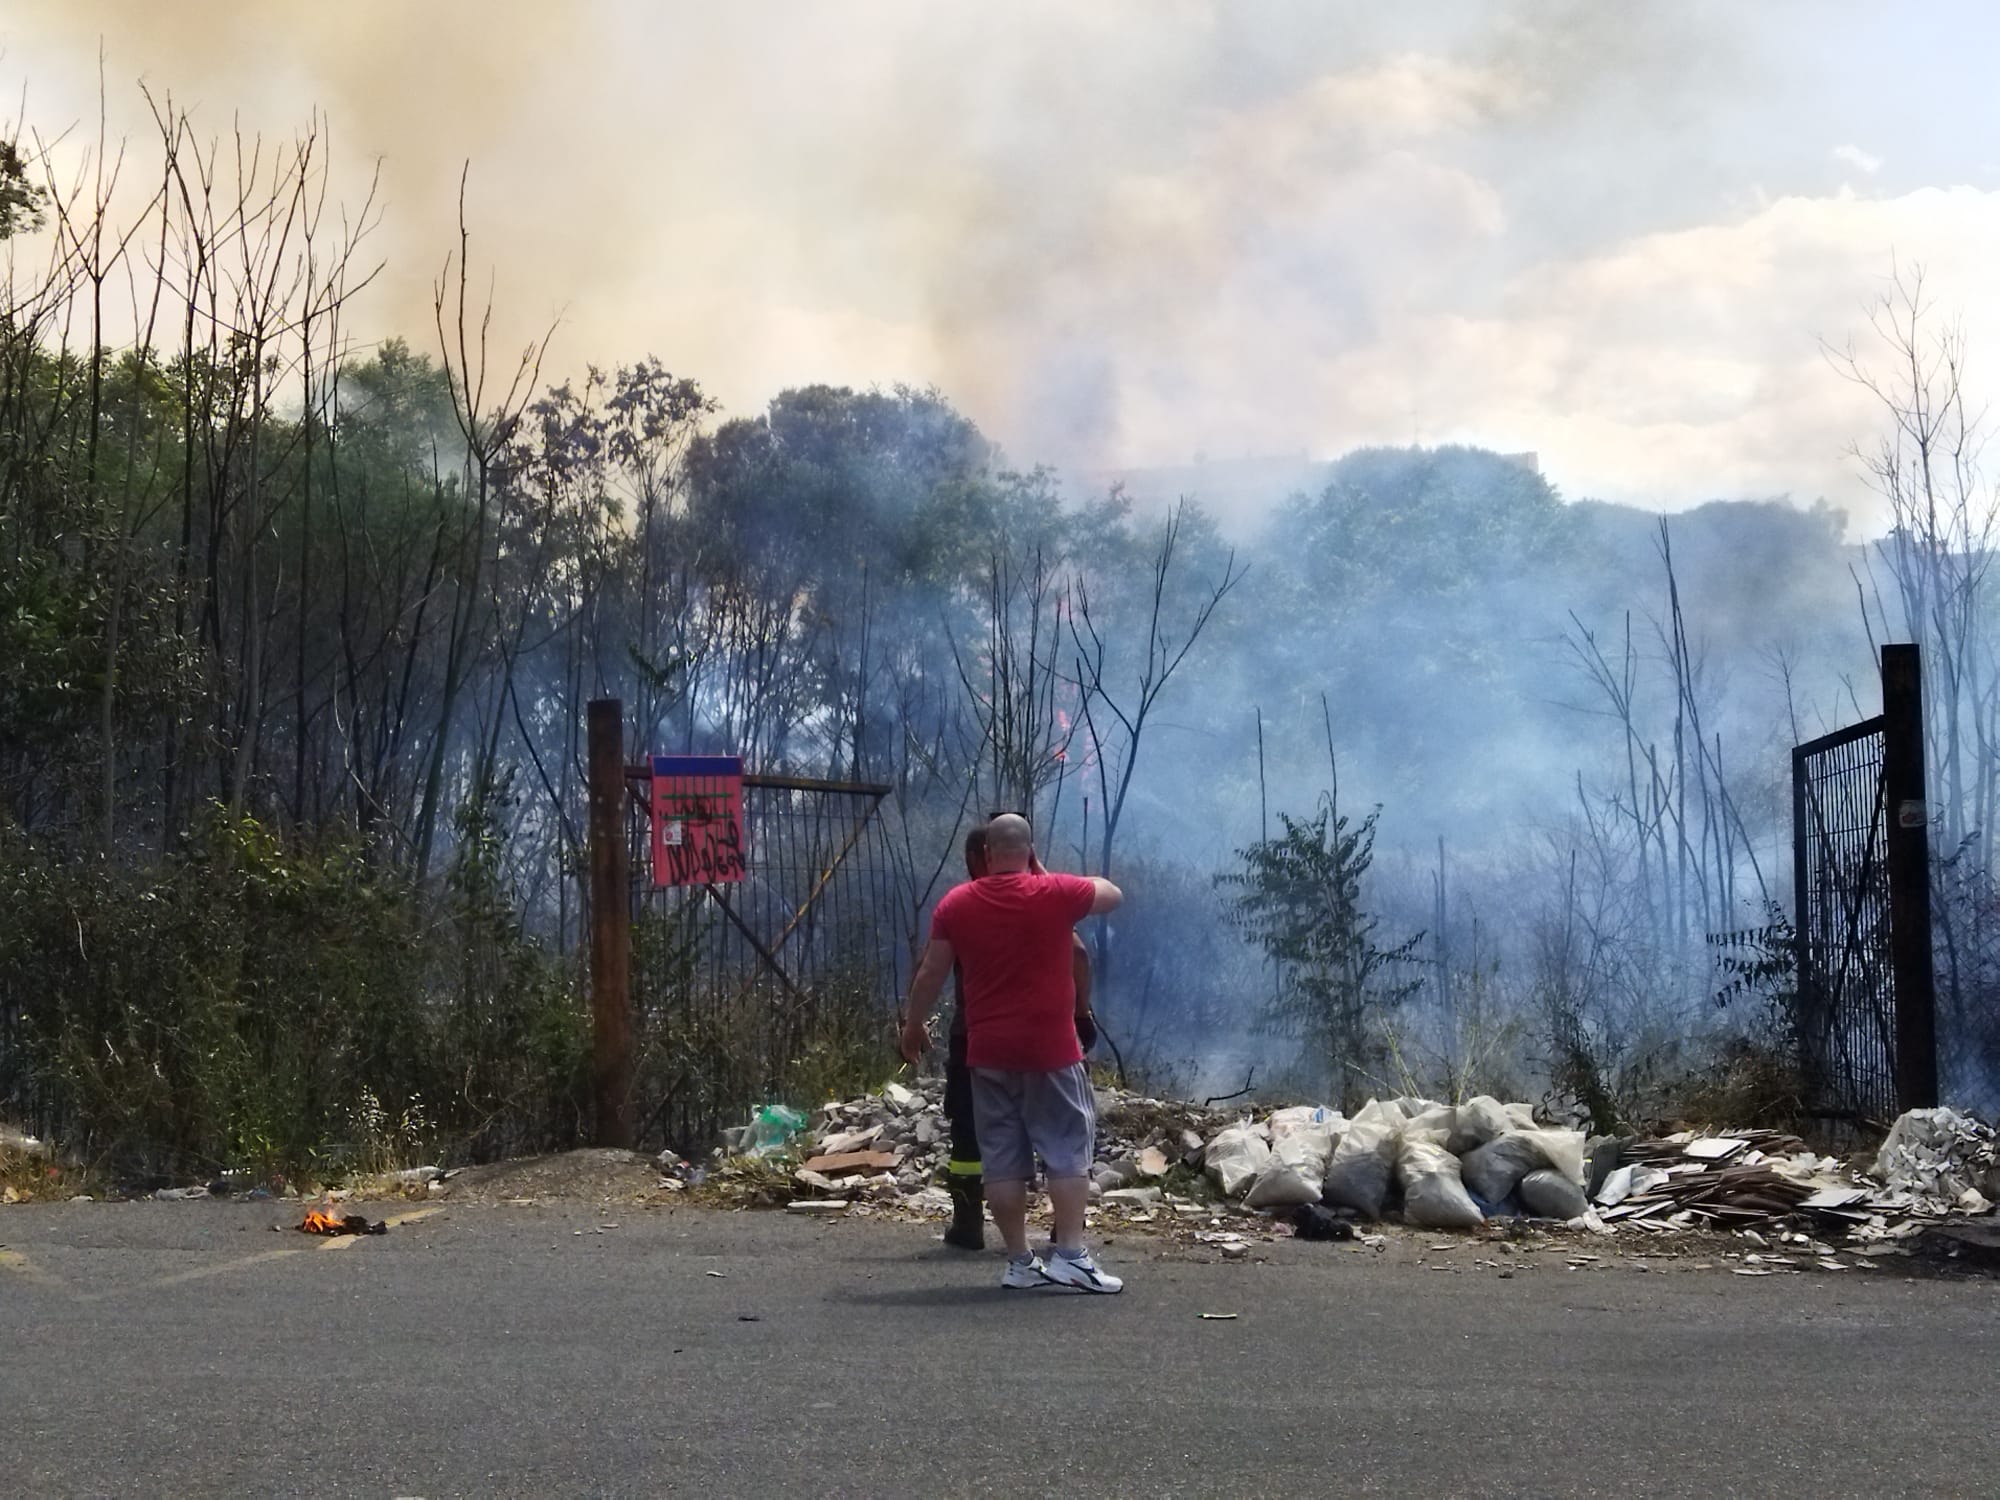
x=610, y=926
x=1909, y=878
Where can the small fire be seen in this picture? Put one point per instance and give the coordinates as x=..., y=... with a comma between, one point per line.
x=318, y=1221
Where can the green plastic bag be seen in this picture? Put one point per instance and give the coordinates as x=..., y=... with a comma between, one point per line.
x=772, y=1129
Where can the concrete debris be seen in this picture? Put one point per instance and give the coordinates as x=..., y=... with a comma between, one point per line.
x=1138, y=1197
x=1690, y=1180
x=1314, y=1171
x=1934, y=1158
x=833, y=1164
x=841, y=1142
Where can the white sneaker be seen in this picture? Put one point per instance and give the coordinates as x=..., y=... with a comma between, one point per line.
x=1025, y=1277
x=1082, y=1273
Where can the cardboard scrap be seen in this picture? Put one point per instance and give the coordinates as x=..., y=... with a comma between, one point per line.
x=853, y=1161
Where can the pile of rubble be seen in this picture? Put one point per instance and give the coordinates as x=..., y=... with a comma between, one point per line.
x=1431, y=1165
x=1939, y=1161
x=891, y=1148
x=1936, y=1164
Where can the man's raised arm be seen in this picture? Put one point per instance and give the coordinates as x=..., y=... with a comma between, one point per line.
x=1107, y=898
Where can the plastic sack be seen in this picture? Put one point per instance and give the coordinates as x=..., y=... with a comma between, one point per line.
x=1297, y=1166
x=1521, y=1116
x=1412, y=1106
x=1495, y=1169
x=1357, y=1177
x=1283, y=1185
x=1234, y=1158
x=1547, y=1194
x=1381, y=1112
x=1478, y=1121
x=1284, y=1122
x=1439, y=1120
x=1434, y=1196
x=772, y=1129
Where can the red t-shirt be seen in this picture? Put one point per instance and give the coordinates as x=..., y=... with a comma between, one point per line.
x=1011, y=935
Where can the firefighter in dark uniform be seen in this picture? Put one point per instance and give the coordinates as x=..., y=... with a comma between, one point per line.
x=962, y=1170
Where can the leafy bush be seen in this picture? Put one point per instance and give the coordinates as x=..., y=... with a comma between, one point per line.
x=245, y=1003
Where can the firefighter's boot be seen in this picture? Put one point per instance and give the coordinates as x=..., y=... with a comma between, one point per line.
x=968, y=1211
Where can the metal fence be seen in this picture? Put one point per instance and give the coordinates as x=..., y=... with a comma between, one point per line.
x=749, y=989
x=1873, y=914
x=1846, y=977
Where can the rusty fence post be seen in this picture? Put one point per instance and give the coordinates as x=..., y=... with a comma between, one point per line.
x=1909, y=863
x=610, y=927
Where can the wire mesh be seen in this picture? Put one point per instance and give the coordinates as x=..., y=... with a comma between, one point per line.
x=1846, y=1004
x=759, y=987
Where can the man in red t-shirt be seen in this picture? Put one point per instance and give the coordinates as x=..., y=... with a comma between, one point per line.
x=1010, y=934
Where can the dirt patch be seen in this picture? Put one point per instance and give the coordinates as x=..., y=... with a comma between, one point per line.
x=592, y=1175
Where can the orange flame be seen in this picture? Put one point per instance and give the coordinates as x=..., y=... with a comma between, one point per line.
x=318, y=1221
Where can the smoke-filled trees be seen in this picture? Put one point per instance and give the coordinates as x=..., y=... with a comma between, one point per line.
x=1944, y=521
x=1129, y=648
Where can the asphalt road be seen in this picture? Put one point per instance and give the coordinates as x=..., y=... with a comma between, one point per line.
x=185, y=1349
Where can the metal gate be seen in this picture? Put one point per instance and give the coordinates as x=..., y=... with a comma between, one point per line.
x=1865, y=1001
x=1847, y=984
x=741, y=989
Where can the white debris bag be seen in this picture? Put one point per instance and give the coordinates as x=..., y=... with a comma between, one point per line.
x=1358, y=1175
x=1382, y=1112
x=1495, y=1169
x=1477, y=1121
x=1434, y=1197
x=1439, y=1120
x=1301, y=1148
x=1285, y=1184
x=1284, y=1122
x=1235, y=1158
x=1547, y=1194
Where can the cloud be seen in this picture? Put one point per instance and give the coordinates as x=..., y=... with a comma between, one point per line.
x=1113, y=234
x=1687, y=364
x=1863, y=162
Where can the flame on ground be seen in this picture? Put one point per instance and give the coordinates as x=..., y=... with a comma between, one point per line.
x=319, y=1221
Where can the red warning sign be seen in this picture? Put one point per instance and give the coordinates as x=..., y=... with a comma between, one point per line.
x=697, y=819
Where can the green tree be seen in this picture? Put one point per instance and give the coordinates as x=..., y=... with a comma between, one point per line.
x=22, y=199
x=1299, y=898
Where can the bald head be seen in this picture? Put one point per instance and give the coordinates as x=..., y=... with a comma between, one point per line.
x=1009, y=842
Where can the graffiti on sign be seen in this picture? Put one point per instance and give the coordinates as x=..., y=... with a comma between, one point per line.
x=697, y=819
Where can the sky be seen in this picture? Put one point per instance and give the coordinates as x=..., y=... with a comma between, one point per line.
x=1122, y=234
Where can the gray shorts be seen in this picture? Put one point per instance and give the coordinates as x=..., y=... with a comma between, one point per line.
x=1022, y=1115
